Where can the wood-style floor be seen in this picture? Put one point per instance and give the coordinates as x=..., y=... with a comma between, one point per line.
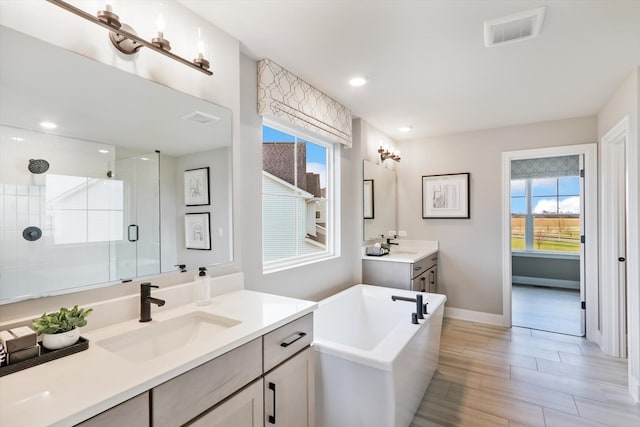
x=547, y=309
x=493, y=376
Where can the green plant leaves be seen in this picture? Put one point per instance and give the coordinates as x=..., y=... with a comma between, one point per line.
x=63, y=320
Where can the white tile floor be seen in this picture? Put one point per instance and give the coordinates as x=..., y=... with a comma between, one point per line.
x=547, y=309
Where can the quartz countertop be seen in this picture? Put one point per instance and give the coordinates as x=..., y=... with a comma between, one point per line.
x=408, y=251
x=69, y=390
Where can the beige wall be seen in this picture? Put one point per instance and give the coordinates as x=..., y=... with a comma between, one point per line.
x=470, y=271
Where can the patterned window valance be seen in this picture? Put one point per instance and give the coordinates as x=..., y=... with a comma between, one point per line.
x=545, y=167
x=285, y=95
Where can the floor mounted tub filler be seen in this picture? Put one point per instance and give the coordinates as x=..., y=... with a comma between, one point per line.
x=373, y=365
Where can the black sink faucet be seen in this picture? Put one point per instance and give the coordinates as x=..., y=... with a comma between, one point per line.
x=389, y=239
x=146, y=300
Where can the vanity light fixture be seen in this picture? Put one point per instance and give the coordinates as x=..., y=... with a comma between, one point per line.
x=386, y=154
x=125, y=39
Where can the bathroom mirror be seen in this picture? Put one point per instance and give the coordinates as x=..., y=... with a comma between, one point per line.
x=379, y=200
x=100, y=198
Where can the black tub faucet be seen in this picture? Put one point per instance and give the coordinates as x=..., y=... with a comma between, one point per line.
x=420, y=308
x=146, y=300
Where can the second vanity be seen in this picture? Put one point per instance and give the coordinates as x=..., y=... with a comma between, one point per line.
x=410, y=265
x=245, y=361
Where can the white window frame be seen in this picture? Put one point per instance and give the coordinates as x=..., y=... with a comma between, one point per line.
x=333, y=201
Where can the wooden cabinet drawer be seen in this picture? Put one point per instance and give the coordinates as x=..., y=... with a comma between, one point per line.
x=287, y=340
x=419, y=267
x=133, y=412
x=184, y=397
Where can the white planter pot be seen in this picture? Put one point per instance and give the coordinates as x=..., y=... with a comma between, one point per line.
x=61, y=340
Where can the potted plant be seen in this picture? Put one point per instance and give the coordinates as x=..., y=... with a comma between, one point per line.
x=62, y=328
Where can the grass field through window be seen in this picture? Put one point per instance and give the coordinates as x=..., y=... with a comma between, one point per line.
x=555, y=234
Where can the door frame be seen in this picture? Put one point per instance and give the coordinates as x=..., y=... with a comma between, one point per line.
x=590, y=220
x=614, y=308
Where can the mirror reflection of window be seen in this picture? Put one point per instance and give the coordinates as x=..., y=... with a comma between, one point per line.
x=83, y=209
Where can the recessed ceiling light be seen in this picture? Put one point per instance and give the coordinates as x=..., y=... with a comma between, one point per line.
x=358, y=81
x=17, y=138
x=103, y=151
x=144, y=158
x=48, y=125
x=405, y=128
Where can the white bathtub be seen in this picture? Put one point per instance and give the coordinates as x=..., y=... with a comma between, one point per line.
x=372, y=364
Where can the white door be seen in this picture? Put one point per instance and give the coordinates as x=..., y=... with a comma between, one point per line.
x=583, y=296
x=613, y=255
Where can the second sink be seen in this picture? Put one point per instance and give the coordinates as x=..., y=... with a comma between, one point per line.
x=157, y=339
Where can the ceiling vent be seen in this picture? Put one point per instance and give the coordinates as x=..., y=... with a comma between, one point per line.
x=200, y=117
x=512, y=28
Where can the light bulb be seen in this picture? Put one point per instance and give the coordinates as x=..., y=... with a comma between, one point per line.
x=160, y=24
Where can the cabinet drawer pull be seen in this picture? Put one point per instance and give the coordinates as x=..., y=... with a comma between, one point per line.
x=417, y=268
x=272, y=418
x=293, y=338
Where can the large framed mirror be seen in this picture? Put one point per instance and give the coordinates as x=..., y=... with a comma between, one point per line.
x=96, y=196
x=379, y=187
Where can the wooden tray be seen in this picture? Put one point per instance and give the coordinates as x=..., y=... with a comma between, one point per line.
x=45, y=356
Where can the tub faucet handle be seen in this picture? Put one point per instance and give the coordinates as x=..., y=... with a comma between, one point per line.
x=414, y=318
x=419, y=307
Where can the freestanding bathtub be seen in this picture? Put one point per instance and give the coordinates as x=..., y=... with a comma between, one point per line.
x=372, y=364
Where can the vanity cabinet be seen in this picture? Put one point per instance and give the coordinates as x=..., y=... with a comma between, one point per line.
x=245, y=409
x=133, y=412
x=288, y=392
x=231, y=390
x=190, y=394
x=421, y=275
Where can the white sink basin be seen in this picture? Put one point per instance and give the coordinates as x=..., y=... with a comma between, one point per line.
x=157, y=339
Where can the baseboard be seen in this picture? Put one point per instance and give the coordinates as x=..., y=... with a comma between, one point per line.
x=541, y=281
x=474, y=316
x=634, y=388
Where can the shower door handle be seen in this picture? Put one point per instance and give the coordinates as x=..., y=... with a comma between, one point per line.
x=621, y=259
x=132, y=232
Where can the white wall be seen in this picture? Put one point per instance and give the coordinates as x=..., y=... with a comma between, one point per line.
x=313, y=281
x=470, y=271
x=626, y=101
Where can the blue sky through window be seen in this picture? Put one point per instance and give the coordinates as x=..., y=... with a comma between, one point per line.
x=315, y=153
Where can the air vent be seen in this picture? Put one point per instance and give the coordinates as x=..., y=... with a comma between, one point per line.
x=512, y=28
x=200, y=117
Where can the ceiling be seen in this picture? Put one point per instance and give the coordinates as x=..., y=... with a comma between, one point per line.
x=426, y=63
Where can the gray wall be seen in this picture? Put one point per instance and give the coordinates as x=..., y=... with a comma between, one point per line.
x=313, y=281
x=546, y=268
x=470, y=271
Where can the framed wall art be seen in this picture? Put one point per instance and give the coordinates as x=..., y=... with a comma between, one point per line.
x=196, y=187
x=446, y=196
x=368, y=199
x=197, y=234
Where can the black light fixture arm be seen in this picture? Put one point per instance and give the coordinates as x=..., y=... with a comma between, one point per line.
x=124, y=32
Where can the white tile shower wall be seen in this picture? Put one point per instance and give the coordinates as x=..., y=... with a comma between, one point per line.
x=39, y=265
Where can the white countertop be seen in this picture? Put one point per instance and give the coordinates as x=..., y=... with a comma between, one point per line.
x=408, y=251
x=71, y=389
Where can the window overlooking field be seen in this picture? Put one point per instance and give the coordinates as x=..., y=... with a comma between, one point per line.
x=545, y=214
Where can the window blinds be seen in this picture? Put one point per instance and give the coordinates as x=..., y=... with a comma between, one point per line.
x=545, y=167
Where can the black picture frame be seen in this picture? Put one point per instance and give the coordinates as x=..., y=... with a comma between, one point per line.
x=196, y=187
x=197, y=231
x=446, y=196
